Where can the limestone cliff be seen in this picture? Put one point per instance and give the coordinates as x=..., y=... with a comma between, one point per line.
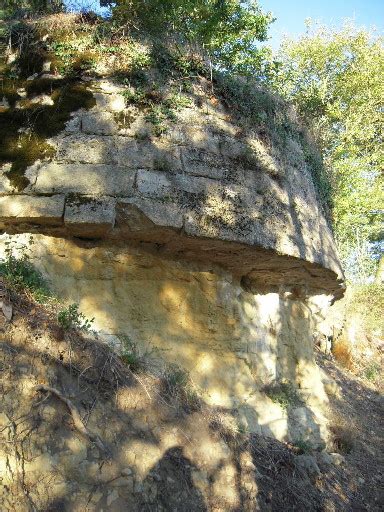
x=205, y=240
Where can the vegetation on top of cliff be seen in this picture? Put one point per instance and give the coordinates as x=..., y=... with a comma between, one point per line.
x=227, y=30
x=335, y=79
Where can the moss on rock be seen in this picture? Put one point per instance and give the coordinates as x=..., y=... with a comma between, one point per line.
x=23, y=131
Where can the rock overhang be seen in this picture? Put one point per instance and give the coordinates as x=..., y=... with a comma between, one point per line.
x=197, y=192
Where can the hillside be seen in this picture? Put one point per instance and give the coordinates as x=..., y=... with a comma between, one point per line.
x=168, y=270
x=151, y=445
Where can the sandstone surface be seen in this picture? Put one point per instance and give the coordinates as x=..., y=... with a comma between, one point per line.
x=207, y=245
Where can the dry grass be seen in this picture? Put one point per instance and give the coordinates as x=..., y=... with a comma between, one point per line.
x=343, y=435
x=343, y=353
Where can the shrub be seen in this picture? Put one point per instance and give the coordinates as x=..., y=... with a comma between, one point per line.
x=372, y=371
x=20, y=273
x=72, y=318
x=367, y=300
x=343, y=439
x=342, y=352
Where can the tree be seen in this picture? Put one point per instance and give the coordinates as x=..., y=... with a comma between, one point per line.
x=335, y=79
x=227, y=29
x=33, y=5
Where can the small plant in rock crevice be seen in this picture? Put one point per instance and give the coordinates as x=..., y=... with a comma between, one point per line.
x=285, y=394
x=131, y=355
x=138, y=356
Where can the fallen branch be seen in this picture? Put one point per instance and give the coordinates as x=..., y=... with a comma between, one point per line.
x=77, y=421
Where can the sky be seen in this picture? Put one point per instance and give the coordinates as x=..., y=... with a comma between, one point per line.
x=291, y=14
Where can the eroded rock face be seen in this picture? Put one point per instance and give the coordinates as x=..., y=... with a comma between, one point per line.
x=206, y=244
x=233, y=342
x=200, y=192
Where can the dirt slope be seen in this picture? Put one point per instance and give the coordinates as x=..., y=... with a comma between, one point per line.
x=151, y=446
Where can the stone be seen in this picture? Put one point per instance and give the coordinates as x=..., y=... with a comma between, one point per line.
x=200, y=163
x=86, y=149
x=90, y=218
x=138, y=488
x=126, y=472
x=109, y=102
x=23, y=209
x=43, y=99
x=203, y=245
x=153, y=184
x=146, y=214
x=112, y=496
x=83, y=179
x=332, y=388
x=44, y=463
x=337, y=459
x=308, y=464
x=133, y=154
x=325, y=458
x=127, y=483
x=73, y=125
x=98, y=123
x=5, y=185
x=4, y=420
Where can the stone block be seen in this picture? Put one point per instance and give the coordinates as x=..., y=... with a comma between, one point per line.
x=109, y=102
x=199, y=162
x=89, y=218
x=160, y=184
x=153, y=184
x=167, y=157
x=5, y=184
x=134, y=154
x=147, y=155
x=99, y=123
x=159, y=213
x=196, y=184
x=86, y=149
x=85, y=179
x=308, y=464
x=73, y=125
x=19, y=209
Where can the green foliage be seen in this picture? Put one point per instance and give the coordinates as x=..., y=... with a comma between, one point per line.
x=179, y=387
x=16, y=7
x=158, y=109
x=334, y=77
x=285, y=394
x=72, y=318
x=367, y=301
x=252, y=103
x=131, y=355
x=20, y=273
x=302, y=446
x=226, y=29
x=372, y=371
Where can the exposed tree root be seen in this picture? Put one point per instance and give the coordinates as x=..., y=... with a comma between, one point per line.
x=77, y=421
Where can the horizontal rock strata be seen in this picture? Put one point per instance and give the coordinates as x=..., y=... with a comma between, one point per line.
x=198, y=192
